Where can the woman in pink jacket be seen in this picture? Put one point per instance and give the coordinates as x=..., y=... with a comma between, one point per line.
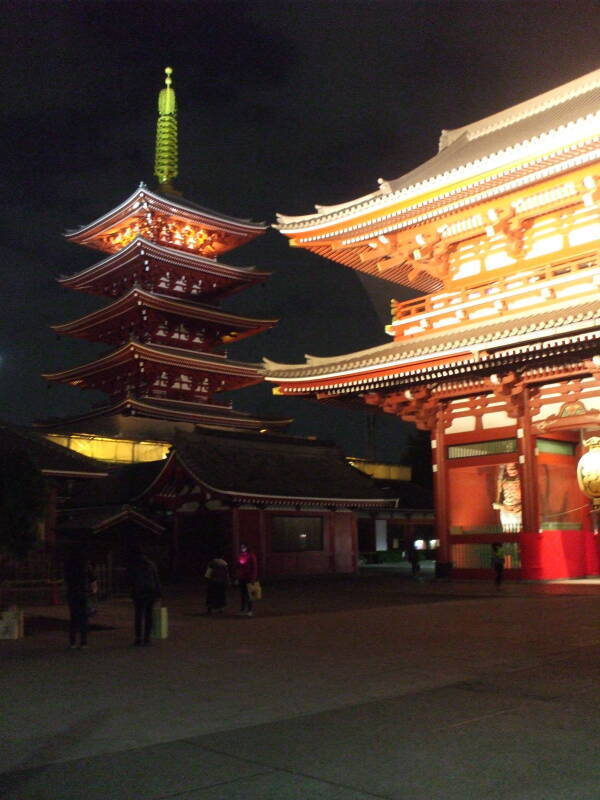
x=246, y=572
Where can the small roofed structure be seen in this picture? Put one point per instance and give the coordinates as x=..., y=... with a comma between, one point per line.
x=37, y=577
x=103, y=516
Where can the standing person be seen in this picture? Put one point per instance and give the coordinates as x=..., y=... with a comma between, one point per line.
x=217, y=575
x=246, y=572
x=81, y=584
x=145, y=591
x=415, y=562
x=498, y=563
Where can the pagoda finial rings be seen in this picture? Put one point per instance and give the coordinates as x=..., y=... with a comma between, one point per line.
x=168, y=73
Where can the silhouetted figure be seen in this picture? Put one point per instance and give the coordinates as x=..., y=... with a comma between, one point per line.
x=246, y=572
x=145, y=591
x=498, y=563
x=81, y=585
x=217, y=575
x=415, y=561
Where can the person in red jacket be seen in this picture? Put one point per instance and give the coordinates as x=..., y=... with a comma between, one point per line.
x=246, y=572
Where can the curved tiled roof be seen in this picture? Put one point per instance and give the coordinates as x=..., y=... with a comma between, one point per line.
x=177, y=204
x=251, y=465
x=169, y=255
x=48, y=456
x=557, y=321
x=138, y=299
x=535, y=123
x=120, y=487
x=246, y=466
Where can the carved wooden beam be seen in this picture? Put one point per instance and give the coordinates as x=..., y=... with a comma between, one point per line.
x=510, y=388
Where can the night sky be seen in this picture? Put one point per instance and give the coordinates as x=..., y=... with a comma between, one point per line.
x=282, y=105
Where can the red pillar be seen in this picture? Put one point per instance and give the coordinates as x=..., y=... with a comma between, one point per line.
x=262, y=526
x=529, y=487
x=440, y=489
x=235, y=531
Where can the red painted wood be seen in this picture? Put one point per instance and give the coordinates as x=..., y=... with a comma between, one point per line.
x=551, y=555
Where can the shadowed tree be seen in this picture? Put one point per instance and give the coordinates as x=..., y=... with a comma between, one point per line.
x=417, y=454
x=23, y=498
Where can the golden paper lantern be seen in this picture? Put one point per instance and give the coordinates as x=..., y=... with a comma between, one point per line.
x=588, y=471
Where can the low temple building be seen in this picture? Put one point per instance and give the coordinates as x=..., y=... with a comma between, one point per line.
x=294, y=502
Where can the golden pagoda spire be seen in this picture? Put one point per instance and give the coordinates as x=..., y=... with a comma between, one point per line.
x=165, y=161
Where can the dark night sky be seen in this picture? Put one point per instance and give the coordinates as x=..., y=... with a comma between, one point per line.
x=281, y=105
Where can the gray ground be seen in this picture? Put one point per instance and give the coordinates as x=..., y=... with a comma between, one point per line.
x=373, y=687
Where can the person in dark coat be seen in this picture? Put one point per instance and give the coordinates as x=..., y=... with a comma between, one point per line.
x=415, y=562
x=145, y=591
x=217, y=575
x=81, y=586
x=246, y=572
x=498, y=563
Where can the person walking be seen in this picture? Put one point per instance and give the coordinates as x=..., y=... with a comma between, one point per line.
x=498, y=563
x=217, y=575
x=246, y=572
x=81, y=587
x=415, y=561
x=145, y=591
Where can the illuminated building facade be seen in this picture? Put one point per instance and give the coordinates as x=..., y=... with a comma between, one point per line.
x=499, y=359
x=164, y=325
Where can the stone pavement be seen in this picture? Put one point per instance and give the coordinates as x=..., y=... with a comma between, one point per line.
x=349, y=689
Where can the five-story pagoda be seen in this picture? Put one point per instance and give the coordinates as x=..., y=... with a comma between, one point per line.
x=164, y=324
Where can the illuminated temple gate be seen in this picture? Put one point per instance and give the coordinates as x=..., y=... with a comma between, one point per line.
x=499, y=359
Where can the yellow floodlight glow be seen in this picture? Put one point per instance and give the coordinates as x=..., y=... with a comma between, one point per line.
x=111, y=450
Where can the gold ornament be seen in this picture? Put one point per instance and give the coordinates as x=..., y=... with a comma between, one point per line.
x=588, y=471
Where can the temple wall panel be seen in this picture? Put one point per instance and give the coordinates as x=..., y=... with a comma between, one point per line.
x=462, y=424
x=547, y=410
x=547, y=234
x=552, y=401
x=497, y=419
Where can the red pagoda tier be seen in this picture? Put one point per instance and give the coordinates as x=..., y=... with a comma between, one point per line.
x=164, y=270
x=167, y=220
x=164, y=322
x=153, y=318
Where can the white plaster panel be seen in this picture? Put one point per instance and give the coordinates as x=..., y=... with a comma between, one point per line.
x=587, y=233
x=497, y=260
x=462, y=425
x=548, y=410
x=381, y=534
x=498, y=419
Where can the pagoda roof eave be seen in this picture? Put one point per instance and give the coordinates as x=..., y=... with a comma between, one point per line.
x=197, y=413
x=171, y=256
x=163, y=355
x=167, y=203
x=136, y=296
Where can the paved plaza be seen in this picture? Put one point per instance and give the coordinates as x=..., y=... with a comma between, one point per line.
x=369, y=687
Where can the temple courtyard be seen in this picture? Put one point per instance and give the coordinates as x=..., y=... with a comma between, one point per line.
x=377, y=686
